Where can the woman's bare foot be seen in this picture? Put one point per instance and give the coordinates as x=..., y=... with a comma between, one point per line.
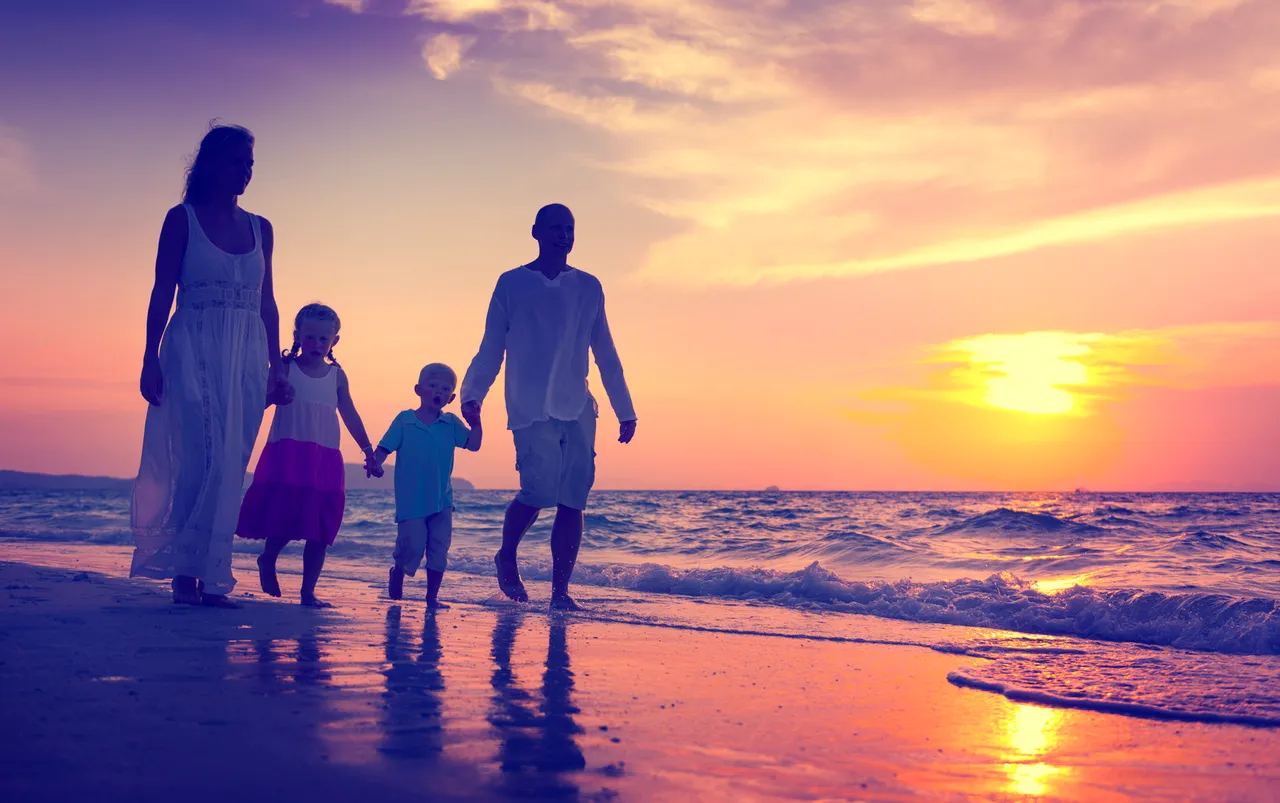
x=395, y=583
x=509, y=579
x=267, y=577
x=437, y=605
x=185, y=591
x=217, y=601
x=564, y=602
x=312, y=601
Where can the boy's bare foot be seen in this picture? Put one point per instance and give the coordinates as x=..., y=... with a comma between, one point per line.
x=509, y=579
x=185, y=591
x=312, y=601
x=267, y=578
x=395, y=583
x=437, y=605
x=564, y=602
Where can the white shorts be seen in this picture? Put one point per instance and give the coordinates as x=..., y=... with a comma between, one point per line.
x=429, y=537
x=557, y=461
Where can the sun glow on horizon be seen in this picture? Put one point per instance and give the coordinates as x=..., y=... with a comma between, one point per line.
x=1038, y=373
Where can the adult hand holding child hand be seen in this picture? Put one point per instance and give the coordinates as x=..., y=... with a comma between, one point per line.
x=279, y=389
x=471, y=413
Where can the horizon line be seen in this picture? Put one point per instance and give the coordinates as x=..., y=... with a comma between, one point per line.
x=769, y=489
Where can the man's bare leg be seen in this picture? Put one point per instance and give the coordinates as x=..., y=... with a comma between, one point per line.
x=520, y=517
x=566, y=539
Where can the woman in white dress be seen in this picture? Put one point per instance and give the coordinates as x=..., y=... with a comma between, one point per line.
x=207, y=379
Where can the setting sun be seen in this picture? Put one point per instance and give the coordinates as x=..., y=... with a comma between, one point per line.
x=1034, y=373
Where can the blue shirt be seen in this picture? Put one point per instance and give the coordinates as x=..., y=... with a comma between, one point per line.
x=424, y=462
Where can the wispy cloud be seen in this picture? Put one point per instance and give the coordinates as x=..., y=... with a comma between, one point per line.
x=351, y=5
x=835, y=138
x=443, y=54
x=15, y=161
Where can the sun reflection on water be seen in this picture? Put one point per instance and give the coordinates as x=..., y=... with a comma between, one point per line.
x=1053, y=586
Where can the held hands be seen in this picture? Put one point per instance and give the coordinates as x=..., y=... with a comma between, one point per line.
x=279, y=389
x=372, y=465
x=471, y=414
x=152, y=382
x=626, y=431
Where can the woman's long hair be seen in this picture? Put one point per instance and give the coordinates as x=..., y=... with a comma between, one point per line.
x=216, y=142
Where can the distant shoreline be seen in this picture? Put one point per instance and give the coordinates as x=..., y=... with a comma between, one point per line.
x=35, y=481
x=11, y=480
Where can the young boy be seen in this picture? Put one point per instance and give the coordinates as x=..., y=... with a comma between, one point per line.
x=424, y=440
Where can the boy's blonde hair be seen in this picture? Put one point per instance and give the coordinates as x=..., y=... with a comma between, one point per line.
x=437, y=367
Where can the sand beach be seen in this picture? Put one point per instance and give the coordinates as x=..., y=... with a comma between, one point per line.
x=113, y=693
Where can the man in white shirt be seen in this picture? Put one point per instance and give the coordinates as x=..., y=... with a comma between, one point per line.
x=544, y=316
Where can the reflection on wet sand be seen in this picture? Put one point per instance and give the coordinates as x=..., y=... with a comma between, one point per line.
x=536, y=736
x=411, y=725
x=308, y=668
x=1033, y=732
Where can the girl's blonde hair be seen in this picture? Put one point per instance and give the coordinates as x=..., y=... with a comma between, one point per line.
x=312, y=312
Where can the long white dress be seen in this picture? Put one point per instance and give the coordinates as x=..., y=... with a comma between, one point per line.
x=198, y=440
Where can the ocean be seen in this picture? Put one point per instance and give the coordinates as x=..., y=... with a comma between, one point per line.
x=1154, y=605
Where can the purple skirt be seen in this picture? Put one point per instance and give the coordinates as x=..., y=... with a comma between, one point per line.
x=298, y=493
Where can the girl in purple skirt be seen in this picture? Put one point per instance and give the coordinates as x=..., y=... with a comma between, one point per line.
x=298, y=491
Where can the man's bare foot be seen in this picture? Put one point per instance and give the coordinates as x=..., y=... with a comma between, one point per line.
x=395, y=583
x=312, y=601
x=564, y=602
x=267, y=578
x=437, y=605
x=509, y=579
x=185, y=591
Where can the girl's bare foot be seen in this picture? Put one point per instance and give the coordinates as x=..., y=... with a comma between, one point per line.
x=312, y=601
x=185, y=591
x=267, y=577
x=395, y=583
x=564, y=602
x=437, y=605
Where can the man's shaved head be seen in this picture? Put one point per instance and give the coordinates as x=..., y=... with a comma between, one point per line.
x=552, y=213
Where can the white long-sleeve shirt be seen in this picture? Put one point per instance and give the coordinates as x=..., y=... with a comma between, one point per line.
x=544, y=327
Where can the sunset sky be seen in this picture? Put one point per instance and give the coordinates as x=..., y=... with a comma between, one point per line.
x=941, y=244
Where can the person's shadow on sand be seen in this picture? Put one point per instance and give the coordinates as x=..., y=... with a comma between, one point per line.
x=537, y=746
x=412, y=726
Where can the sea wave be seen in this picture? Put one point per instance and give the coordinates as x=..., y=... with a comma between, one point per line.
x=1194, y=621
x=1150, y=682
x=1006, y=520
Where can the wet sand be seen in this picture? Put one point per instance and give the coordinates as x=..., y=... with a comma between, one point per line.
x=110, y=692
